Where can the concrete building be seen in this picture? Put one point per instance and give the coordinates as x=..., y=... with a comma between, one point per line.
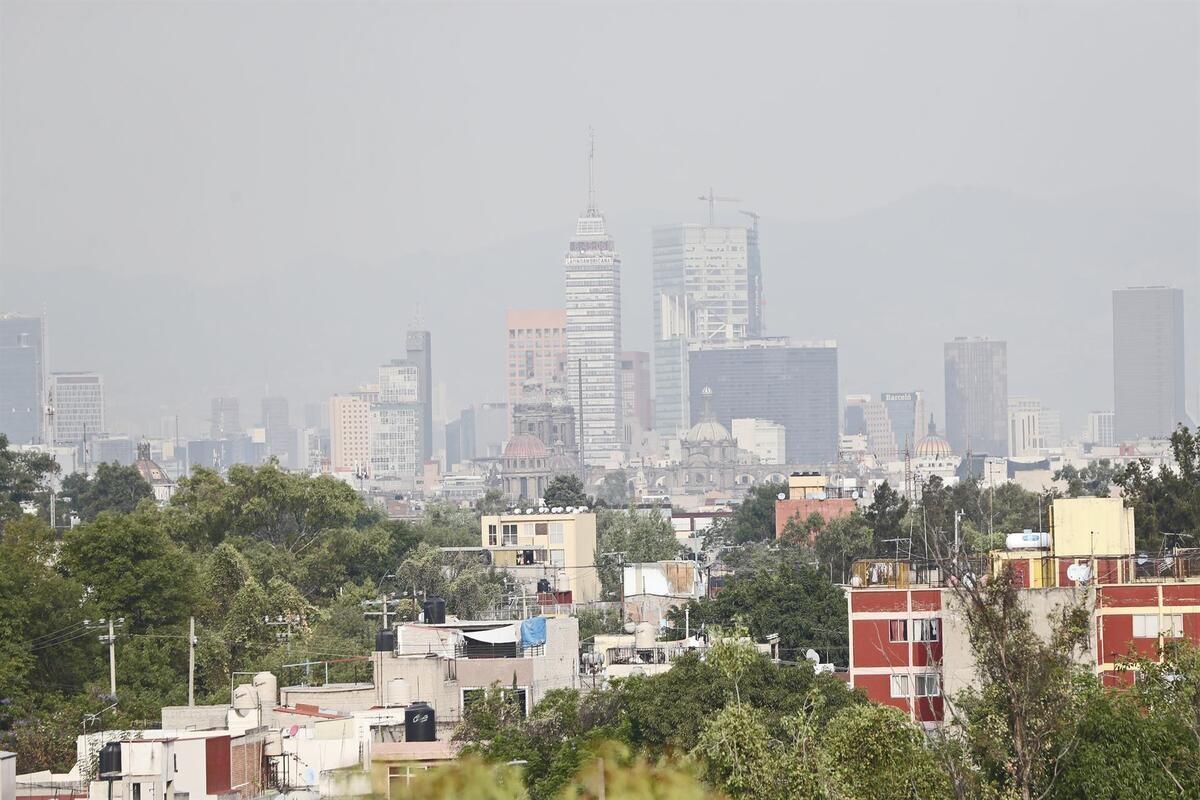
x=707, y=287
x=349, y=435
x=396, y=421
x=1024, y=427
x=77, y=402
x=1050, y=423
x=536, y=350
x=110, y=450
x=1099, y=429
x=810, y=493
x=22, y=379
x=525, y=468
x=765, y=439
x=872, y=419
x=792, y=384
x=1148, y=362
x=635, y=395
x=977, y=395
x=552, y=545
x=909, y=646
x=419, y=347
x=593, y=292
x=906, y=414
x=225, y=419
x=160, y=482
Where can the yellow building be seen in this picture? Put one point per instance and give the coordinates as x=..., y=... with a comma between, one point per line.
x=1091, y=526
x=558, y=546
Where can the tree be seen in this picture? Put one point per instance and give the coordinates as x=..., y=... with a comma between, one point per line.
x=799, y=532
x=492, y=502
x=638, y=536
x=1094, y=480
x=565, y=490
x=1166, y=500
x=793, y=600
x=873, y=752
x=754, y=518
x=113, y=488
x=22, y=478
x=842, y=542
x=886, y=514
x=468, y=587
x=614, y=489
x=131, y=569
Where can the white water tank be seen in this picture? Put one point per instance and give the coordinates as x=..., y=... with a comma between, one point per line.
x=398, y=693
x=1027, y=540
x=643, y=636
x=267, y=688
x=244, y=697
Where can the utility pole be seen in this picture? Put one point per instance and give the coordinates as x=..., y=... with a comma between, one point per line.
x=110, y=639
x=284, y=635
x=387, y=605
x=191, y=661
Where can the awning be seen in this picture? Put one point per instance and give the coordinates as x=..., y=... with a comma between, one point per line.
x=503, y=635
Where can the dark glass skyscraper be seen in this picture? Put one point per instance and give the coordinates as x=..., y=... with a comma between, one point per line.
x=977, y=396
x=22, y=379
x=1148, y=371
x=792, y=384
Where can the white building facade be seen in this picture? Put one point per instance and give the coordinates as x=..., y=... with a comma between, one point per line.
x=77, y=400
x=765, y=439
x=396, y=436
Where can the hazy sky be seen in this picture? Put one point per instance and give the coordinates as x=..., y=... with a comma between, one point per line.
x=226, y=142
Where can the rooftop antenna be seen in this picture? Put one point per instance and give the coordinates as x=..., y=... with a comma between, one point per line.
x=591, y=170
x=712, y=199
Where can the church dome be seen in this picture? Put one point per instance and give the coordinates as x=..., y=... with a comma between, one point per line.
x=932, y=445
x=707, y=429
x=525, y=445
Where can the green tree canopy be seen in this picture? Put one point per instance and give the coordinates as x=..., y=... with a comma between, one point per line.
x=638, y=536
x=112, y=488
x=565, y=490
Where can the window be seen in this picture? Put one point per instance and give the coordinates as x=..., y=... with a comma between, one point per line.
x=1147, y=626
x=509, y=533
x=558, y=558
x=926, y=630
x=541, y=528
x=556, y=533
x=898, y=630
x=492, y=535
x=928, y=685
x=900, y=686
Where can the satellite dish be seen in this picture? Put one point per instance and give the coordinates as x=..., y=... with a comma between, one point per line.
x=1080, y=573
x=310, y=776
x=812, y=656
x=630, y=627
x=781, y=496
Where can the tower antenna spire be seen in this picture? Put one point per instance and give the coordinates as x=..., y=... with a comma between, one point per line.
x=591, y=170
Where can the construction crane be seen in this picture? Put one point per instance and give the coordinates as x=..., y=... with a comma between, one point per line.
x=752, y=215
x=712, y=200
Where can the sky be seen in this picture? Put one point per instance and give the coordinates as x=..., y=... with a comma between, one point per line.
x=264, y=155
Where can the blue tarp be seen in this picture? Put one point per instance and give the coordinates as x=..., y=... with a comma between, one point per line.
x=533, y=632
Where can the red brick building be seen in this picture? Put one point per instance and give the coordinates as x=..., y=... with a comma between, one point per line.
x=808, y=494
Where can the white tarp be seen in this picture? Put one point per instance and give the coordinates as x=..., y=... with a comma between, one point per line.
x=502, y=635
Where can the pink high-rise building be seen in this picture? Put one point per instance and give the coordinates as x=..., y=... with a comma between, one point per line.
x=537, y=350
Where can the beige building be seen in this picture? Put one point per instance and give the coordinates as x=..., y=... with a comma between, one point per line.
x=537, y=350
x=349, y=434
x=556, y=545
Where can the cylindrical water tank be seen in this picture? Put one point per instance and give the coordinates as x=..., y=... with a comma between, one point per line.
x=643, y=636
x=419, y=724
x=244, y=697
x=434, y=609
x=397, y=692
x=385, y=641
x=110, y=761
x=266, y=688
x=1027, y=540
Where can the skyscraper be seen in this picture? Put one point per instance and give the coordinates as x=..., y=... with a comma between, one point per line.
x=906, y=413
x=419, y=353
x=794, y=384
x=22, y=379
x=396, y=421
x=537, y=351
x=225, y=420
x=593, y=278
x=977, y=395
x=1148, y=371
x=635, y=392
x=349, y=434
x=706, y=288
x=281, y=437
x=78, y=402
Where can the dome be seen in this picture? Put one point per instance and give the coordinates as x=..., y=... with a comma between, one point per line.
x=932, y=445
x=707, y=429
x=525, y=445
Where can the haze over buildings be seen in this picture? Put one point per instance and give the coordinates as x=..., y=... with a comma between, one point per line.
x=1148, y=361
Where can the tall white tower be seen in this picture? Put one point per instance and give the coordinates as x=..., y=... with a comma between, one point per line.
x=593, y=271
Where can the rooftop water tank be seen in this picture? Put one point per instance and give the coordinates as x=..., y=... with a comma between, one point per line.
x=385, y=641
x=419, y=724
x=1027, y=540
x=434, y=609
x=397, y=692
x=266, y=688
x=643, y=636
x=110, y=761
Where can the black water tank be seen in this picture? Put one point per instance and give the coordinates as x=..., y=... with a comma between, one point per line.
x=110, y=761
x=419, y=724
x=385, y=641
x=434, y=609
